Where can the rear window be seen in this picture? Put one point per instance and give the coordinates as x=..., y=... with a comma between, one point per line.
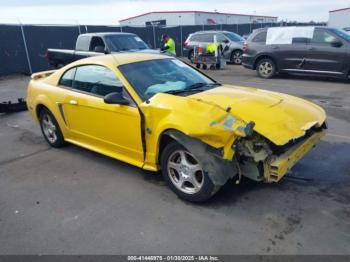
x=234, y=37
x=125, y=42
x=260, y=37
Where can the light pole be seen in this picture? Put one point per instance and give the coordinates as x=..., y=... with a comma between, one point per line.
x=180, y=34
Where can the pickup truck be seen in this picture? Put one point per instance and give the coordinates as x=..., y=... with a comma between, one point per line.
x=93, y=44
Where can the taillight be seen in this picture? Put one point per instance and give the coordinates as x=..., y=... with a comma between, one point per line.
x=245, y=46
x=185, y=44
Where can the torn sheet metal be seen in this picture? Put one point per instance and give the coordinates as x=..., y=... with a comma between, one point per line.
x=285, y=35
x=217, y=168
x=230, y=123
x=9, y=107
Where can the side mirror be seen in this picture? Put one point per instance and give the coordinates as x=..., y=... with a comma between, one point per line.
x=116, y=98
x=336, y=43
x=226, y=41
x=100, y=49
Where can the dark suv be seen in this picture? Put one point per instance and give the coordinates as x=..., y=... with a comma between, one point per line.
x=326, y=51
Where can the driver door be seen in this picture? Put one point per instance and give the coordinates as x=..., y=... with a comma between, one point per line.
x=111, y=129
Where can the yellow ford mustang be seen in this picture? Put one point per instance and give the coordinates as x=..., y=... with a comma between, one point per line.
x=158, y=113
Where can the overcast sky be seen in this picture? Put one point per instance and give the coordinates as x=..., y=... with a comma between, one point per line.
x=110, y=12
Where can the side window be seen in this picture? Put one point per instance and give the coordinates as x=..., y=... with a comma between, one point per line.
x=194, y=38
x=260, y=37
x=220, y=37
x=67, y=78
x=300, y=40
x=322, y=37
x=206, y=38
x=96, y=80
x=96, y=41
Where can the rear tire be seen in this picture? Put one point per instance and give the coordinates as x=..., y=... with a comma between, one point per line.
x=266, y=68
x=184, y=174
x=236, y=57
x=50, y=129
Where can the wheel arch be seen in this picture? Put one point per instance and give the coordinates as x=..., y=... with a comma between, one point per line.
x=164, y=139
x=236, y=49
x=264, y=56
x=60, y=120
x=38, y=109
x=218, y=169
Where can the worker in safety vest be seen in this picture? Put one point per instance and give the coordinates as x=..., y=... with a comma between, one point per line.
x=168, y=45
x=211, y=48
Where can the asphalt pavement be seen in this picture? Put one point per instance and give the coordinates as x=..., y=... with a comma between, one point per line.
x=74, y=201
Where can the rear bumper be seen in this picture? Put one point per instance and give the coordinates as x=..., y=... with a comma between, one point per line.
x=247, y=61
x=276, y=167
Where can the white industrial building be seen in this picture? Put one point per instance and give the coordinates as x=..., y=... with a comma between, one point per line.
x=339, y=18
x=172, y=18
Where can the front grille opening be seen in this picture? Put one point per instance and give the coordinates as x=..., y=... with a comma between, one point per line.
x=278, y=150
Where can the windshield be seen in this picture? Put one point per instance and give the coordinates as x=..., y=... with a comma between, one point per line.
x=343, y=34
x=164, y=76
x=125, y=42
x=234, y=37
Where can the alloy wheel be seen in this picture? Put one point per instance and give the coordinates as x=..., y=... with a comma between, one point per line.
x=49, y=128
x=185, y=172
x=237, y=57
x=266, y=68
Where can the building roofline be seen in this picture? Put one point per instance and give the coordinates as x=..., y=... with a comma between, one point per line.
x=338, y=10
x=186, y=12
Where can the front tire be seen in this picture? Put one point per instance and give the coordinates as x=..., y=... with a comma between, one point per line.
x=266, y=68
x=184, y=174
x=50, y=129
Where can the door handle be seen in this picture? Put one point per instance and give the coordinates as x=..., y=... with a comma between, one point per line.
x=73, y=102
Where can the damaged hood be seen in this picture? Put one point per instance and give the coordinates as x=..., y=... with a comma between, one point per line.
x=278, y=117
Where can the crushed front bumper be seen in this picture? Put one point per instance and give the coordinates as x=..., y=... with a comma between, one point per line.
x=276, y=167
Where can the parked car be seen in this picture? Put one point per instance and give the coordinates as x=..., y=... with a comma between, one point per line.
x=326, y=52
x=232, y=40
x=157, y=113
x=93, y=44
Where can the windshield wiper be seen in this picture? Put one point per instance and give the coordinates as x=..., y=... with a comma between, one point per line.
x=195, y=87
x=199, y=85
x=123, y=49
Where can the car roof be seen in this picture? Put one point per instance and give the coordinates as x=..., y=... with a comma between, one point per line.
x=119, y=59
x=106, y=34
x=265, y=28
x=210, y=31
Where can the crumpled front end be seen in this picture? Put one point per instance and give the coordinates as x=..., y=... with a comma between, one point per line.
x=261, y=160
x=257, y=138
